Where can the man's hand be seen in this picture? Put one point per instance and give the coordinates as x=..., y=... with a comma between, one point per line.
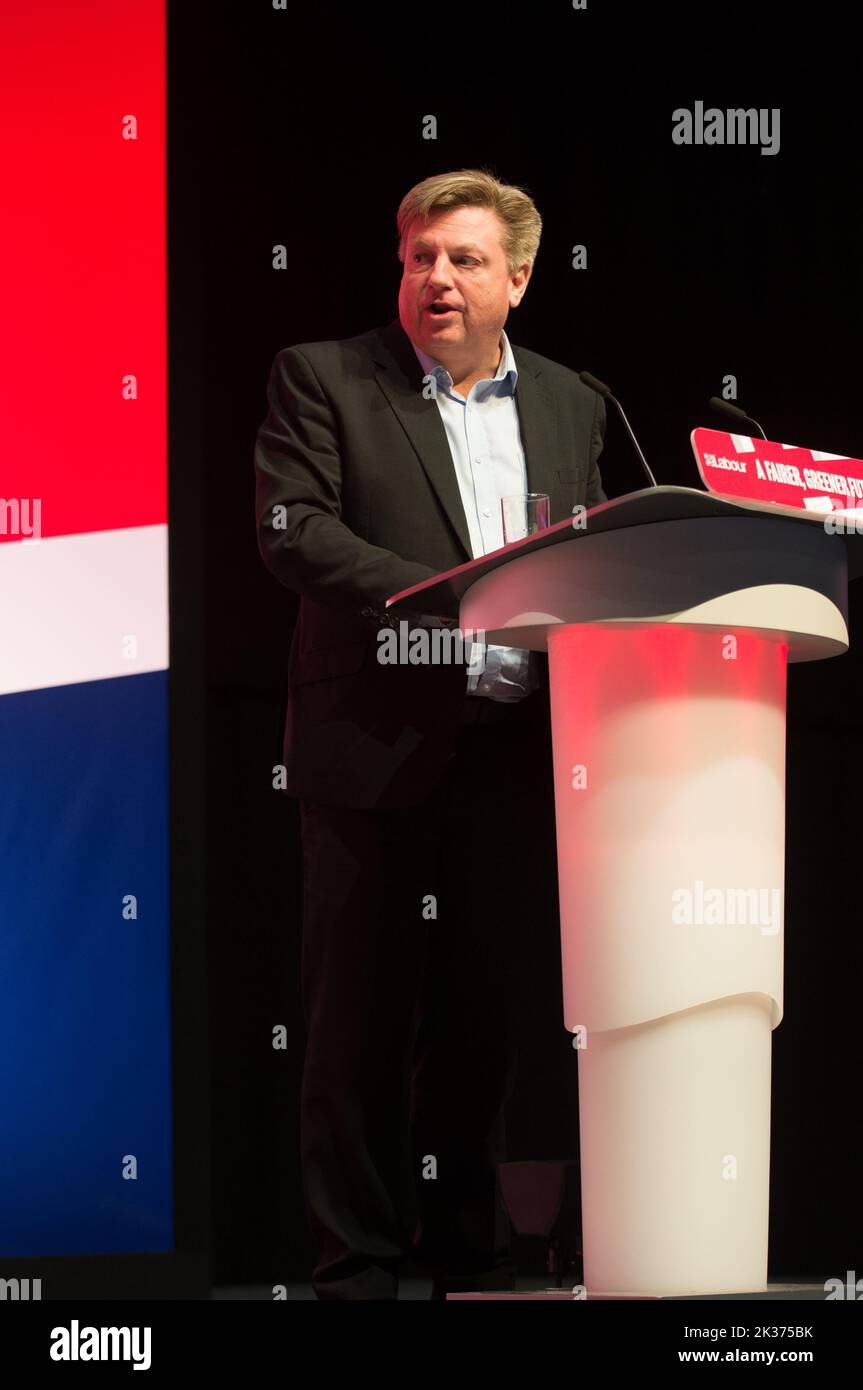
x=386, y=618
x=427, y=620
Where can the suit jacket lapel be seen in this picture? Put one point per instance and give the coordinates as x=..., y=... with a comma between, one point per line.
x=400, y=377
x=537, y=421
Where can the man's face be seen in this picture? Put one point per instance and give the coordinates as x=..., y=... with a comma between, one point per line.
x=456, y=259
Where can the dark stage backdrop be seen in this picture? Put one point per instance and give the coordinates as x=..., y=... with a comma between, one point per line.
x=304, y=127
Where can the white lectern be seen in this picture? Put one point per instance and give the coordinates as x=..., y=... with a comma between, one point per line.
x=668, y=617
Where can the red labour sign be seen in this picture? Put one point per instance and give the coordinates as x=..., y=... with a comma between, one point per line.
x=735, y=465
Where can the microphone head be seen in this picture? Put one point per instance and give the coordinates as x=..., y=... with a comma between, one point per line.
x=594, y=383
x=726, y=408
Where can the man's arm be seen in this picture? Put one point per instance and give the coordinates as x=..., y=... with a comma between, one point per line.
x=595, y=494
x=298, y=467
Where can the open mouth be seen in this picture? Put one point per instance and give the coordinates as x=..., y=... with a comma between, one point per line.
x=440, y=311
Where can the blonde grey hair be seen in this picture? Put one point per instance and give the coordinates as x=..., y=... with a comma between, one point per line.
x=522, y=224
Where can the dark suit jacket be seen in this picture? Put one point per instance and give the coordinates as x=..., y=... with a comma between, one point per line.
x=360, y=460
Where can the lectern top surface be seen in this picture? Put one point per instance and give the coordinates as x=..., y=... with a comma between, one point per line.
x=441, y=595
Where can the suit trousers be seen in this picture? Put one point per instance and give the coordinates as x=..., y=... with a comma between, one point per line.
x=419, y=925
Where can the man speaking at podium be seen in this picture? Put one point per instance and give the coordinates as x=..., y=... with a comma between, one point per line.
x=426, y=793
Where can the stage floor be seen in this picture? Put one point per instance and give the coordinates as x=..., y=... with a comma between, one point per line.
x=536, y=1288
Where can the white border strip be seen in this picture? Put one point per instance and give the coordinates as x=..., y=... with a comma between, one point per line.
x=83, y=607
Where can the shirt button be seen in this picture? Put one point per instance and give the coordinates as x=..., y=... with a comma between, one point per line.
x=486, y=512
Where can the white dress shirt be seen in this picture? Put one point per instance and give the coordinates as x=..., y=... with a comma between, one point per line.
x=488, y=457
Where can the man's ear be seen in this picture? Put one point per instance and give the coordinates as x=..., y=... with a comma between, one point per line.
x=518, y=285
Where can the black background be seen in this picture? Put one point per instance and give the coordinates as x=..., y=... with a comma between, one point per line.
x=304, y=128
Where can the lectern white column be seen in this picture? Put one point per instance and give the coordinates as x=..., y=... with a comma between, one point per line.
x=668, y=621
x=669, y=800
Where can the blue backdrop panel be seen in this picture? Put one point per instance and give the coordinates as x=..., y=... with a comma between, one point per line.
x=85, y=1050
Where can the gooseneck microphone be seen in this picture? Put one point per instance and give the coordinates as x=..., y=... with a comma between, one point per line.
x=734, y=413
x=605, y=392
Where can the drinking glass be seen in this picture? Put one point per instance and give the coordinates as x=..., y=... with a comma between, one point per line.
x=524, y=514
